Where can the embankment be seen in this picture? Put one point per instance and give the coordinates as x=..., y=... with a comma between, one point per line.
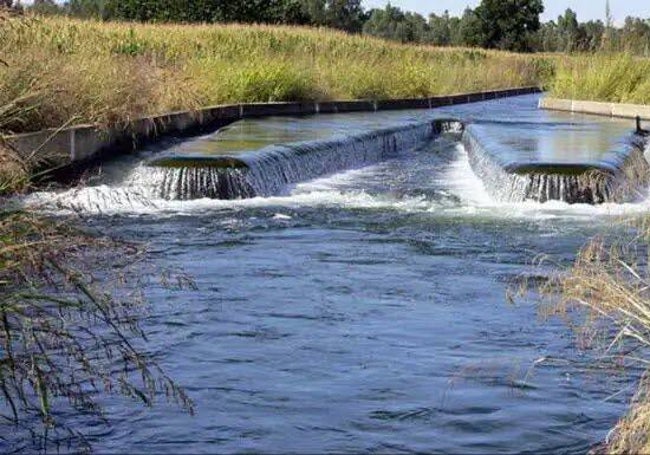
x=86, y=72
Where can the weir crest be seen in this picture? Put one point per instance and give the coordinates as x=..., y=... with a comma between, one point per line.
x=269, y=171
x=272, y=170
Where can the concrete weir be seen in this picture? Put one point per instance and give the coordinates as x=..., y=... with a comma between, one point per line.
x=512, y=173
x=535, y=157
x=267, y=171
x=530, y=156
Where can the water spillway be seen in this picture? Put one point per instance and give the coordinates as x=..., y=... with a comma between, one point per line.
x=224, y=173
x=567, y=161
x=571, y=159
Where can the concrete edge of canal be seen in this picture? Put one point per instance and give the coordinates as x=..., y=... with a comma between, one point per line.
x=83, y=144
x=597, y=108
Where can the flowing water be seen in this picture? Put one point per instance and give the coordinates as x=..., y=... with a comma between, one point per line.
x=364, y=310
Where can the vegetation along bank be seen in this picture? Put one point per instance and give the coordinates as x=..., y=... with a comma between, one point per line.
x=57, y=70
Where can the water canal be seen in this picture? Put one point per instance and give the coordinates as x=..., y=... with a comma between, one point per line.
x=363, y=310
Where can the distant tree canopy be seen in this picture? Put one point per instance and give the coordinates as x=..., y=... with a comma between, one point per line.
x=507, y=24
x=269, y=11
x=501, y=24
x=392, y=23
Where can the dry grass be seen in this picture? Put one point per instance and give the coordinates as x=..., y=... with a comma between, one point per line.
x=605, y=297
x=14, y=176
x=632, y=433
x=104, y=72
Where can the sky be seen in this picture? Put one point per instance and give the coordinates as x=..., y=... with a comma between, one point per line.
x=586, y=9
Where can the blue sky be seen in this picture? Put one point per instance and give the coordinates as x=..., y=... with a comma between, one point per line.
x=586, y=9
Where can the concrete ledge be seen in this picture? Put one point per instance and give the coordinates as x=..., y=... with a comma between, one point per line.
x=336, y=107
x=631, y=111
x=556, y=104
x=597, y=108
x=83, y=143
x=268, y=109
x=405, y=103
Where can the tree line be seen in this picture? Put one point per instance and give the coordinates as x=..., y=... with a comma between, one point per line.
x=495, y=24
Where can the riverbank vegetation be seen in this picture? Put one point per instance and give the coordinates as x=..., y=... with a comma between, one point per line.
x=68, y=328
x=67, y=334
x=508, y=25
x=616, y=78
x=605, y=297
x=91, y=71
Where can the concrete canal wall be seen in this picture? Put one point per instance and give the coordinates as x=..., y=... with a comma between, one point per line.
x=597, y=108
x=54, y=148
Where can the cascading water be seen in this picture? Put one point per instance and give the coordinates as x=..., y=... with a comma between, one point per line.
x=268, y=171
x=539, y=159
x=619, y=181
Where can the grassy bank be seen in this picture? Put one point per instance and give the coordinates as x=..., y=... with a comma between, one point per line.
x=84, y=71
x=617, y=78
x=605, y=297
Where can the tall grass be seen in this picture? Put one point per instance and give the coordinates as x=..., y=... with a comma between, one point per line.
x=65, y=333
x=605, y=297
x=618, y=78
x=106, y=72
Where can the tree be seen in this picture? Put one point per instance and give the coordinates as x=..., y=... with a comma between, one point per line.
x=508, y=24
x=385, y=23
x=592, y=32
x=471, y=29
x=607, y=42
x=345, y=15
x=392, y=23
x=314, y=10
x=569, y=30
x=45, y=7
x=635, y=36
x=440, y=29
x=248, y=11
x=87, y=8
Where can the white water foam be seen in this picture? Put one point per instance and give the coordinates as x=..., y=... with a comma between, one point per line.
x=337, y=190
x=469, y=188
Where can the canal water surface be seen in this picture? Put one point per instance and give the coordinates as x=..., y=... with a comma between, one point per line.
x=366, y=310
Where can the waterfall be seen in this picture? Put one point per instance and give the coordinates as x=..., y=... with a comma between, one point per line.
x=270, y=170
x=567, y=183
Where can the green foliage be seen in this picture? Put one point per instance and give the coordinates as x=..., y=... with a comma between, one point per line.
x=277, y=81
x=508, y=24
x=108, y=72
x=131, y=45
x=618, y=78
x=392, y=23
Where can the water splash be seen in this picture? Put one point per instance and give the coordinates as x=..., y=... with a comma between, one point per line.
x=626, y=181
x=271, y=170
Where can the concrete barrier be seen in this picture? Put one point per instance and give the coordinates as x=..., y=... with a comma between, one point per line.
x=54, y=148
x=405, y=103
x=631, y=111
x=597, y=108
x=336, y=107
